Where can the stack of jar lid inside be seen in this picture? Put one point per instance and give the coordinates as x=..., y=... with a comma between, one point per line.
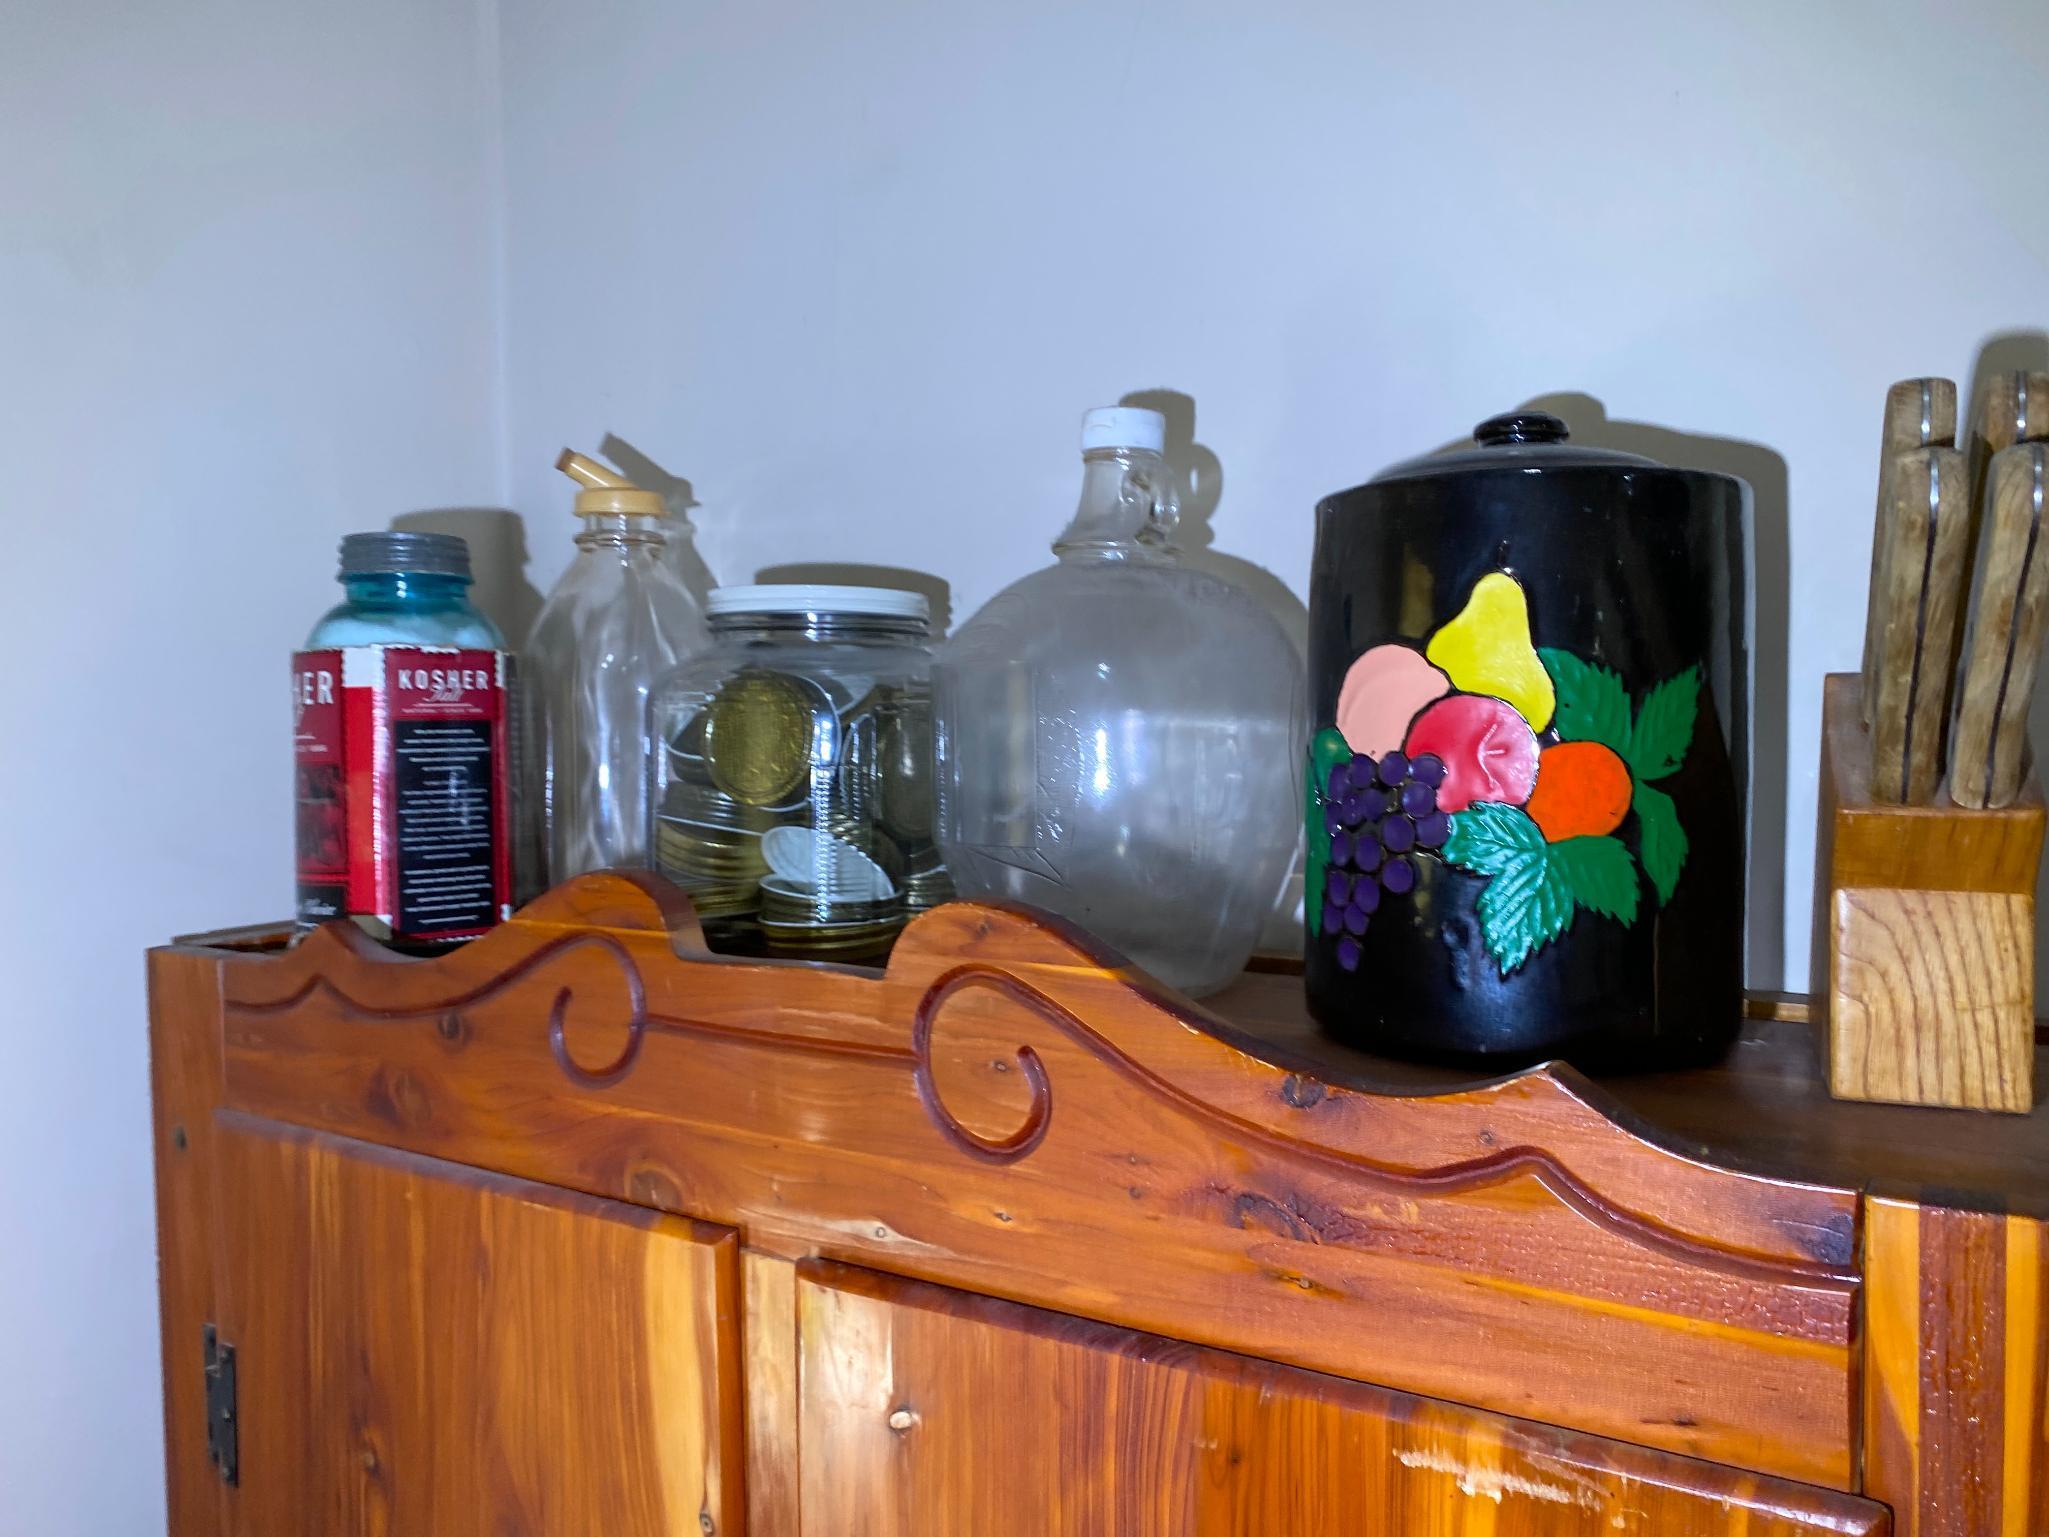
x=794, y=771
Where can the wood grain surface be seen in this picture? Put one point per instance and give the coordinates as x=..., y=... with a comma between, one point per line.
x=1956, y=1383
x=771, y=1391
x=1931, y=998
x=2009, y=610
x=1007, y=1110
x=428, y=1349
x=1924, y=935
x=1919, y=413
x=926, y=1411
x=185, y=1084
x=1924, y=567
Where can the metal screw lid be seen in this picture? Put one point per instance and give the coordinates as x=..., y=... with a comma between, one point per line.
x=400, y=551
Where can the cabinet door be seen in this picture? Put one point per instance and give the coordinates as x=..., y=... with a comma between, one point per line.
x=425, y=1350
x=923, y=1410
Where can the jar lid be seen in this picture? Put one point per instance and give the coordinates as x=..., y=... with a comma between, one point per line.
x=1517, y=440
x=400, y=550
x=819, y=598
x=1123, y=427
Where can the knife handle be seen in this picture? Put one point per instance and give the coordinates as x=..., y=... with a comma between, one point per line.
x=1921, y=579
x=2008, y=611
x=2014, y=409
x=1919, y=413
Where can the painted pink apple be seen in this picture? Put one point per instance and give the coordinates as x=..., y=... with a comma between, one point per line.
x=1383, y=690
x=1489, y=751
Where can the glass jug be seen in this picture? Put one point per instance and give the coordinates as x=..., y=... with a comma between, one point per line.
x=1117, y=733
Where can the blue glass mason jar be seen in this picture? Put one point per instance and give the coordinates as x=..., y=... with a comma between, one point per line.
x=405, y=588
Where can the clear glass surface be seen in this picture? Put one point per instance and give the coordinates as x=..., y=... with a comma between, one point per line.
x=1118, y=740
x=403, y=608
x=617, y=620
x=793, y=783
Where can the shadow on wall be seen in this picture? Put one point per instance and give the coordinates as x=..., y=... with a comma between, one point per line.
x=1201, y=477
x=498, y=558
x=1770, y=563
x=678, y=496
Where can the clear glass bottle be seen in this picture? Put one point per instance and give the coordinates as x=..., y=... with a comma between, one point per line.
x=401, y=589
x=617, y=620
x=793, y=771
x=1117, y=733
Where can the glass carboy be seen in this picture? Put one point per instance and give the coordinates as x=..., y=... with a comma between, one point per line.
x=1117, y=733
x=617, y=620
x=792, y=764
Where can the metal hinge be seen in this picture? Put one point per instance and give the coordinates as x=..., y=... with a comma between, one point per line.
x=220, y=1406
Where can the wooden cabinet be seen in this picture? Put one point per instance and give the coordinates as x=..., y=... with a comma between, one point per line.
x=426, y=1348
x=927, y=1411
x=579, y=1228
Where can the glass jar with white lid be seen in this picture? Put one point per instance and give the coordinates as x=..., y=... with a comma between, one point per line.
x=791, y=771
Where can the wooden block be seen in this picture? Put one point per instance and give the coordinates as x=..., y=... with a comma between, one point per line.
x=1925, y=935
x=1932, y=998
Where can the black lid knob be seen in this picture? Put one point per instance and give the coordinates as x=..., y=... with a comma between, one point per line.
x=1520, y=427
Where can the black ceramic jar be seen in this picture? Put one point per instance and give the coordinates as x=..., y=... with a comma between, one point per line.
x=1529, y=690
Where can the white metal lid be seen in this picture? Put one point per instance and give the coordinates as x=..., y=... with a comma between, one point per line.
x=819, y=598
x=1123, y=427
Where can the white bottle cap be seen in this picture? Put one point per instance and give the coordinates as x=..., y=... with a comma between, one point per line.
x=1124, y=427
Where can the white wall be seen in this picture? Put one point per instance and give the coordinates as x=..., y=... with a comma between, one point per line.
x=855, y=270
x=246, y=303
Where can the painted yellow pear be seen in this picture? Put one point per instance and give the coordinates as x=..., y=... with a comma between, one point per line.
x=1487, y=650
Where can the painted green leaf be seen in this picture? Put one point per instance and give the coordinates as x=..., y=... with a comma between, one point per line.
x=1660, y=838
x=1664, y=726
x=1593, y=706
x=1523, y=908
x=1326, y=750
x=1488, y=837
x=1600, y=873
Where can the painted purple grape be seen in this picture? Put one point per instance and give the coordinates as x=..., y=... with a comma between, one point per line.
x=1354, y=808
x=1366, y=850
x=1397, y=833
x=1366, y=894
x=1362, y=772
x=1348, y=952
x=1333, y=917
x=1339, y=779
x=1432, y=830
x=1427, y=768
x=1337, y=887
x=1355, y=919
x=1418, y=799
x=1341, y=848
x=1394, y=768
x=1333, y=822
x=1398, y=876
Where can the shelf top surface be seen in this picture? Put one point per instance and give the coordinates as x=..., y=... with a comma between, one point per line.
x=1765, y=1109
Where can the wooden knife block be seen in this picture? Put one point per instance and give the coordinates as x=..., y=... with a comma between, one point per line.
x=1924, y=925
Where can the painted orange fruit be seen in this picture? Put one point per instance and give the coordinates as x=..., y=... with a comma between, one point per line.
x=1582, y=791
